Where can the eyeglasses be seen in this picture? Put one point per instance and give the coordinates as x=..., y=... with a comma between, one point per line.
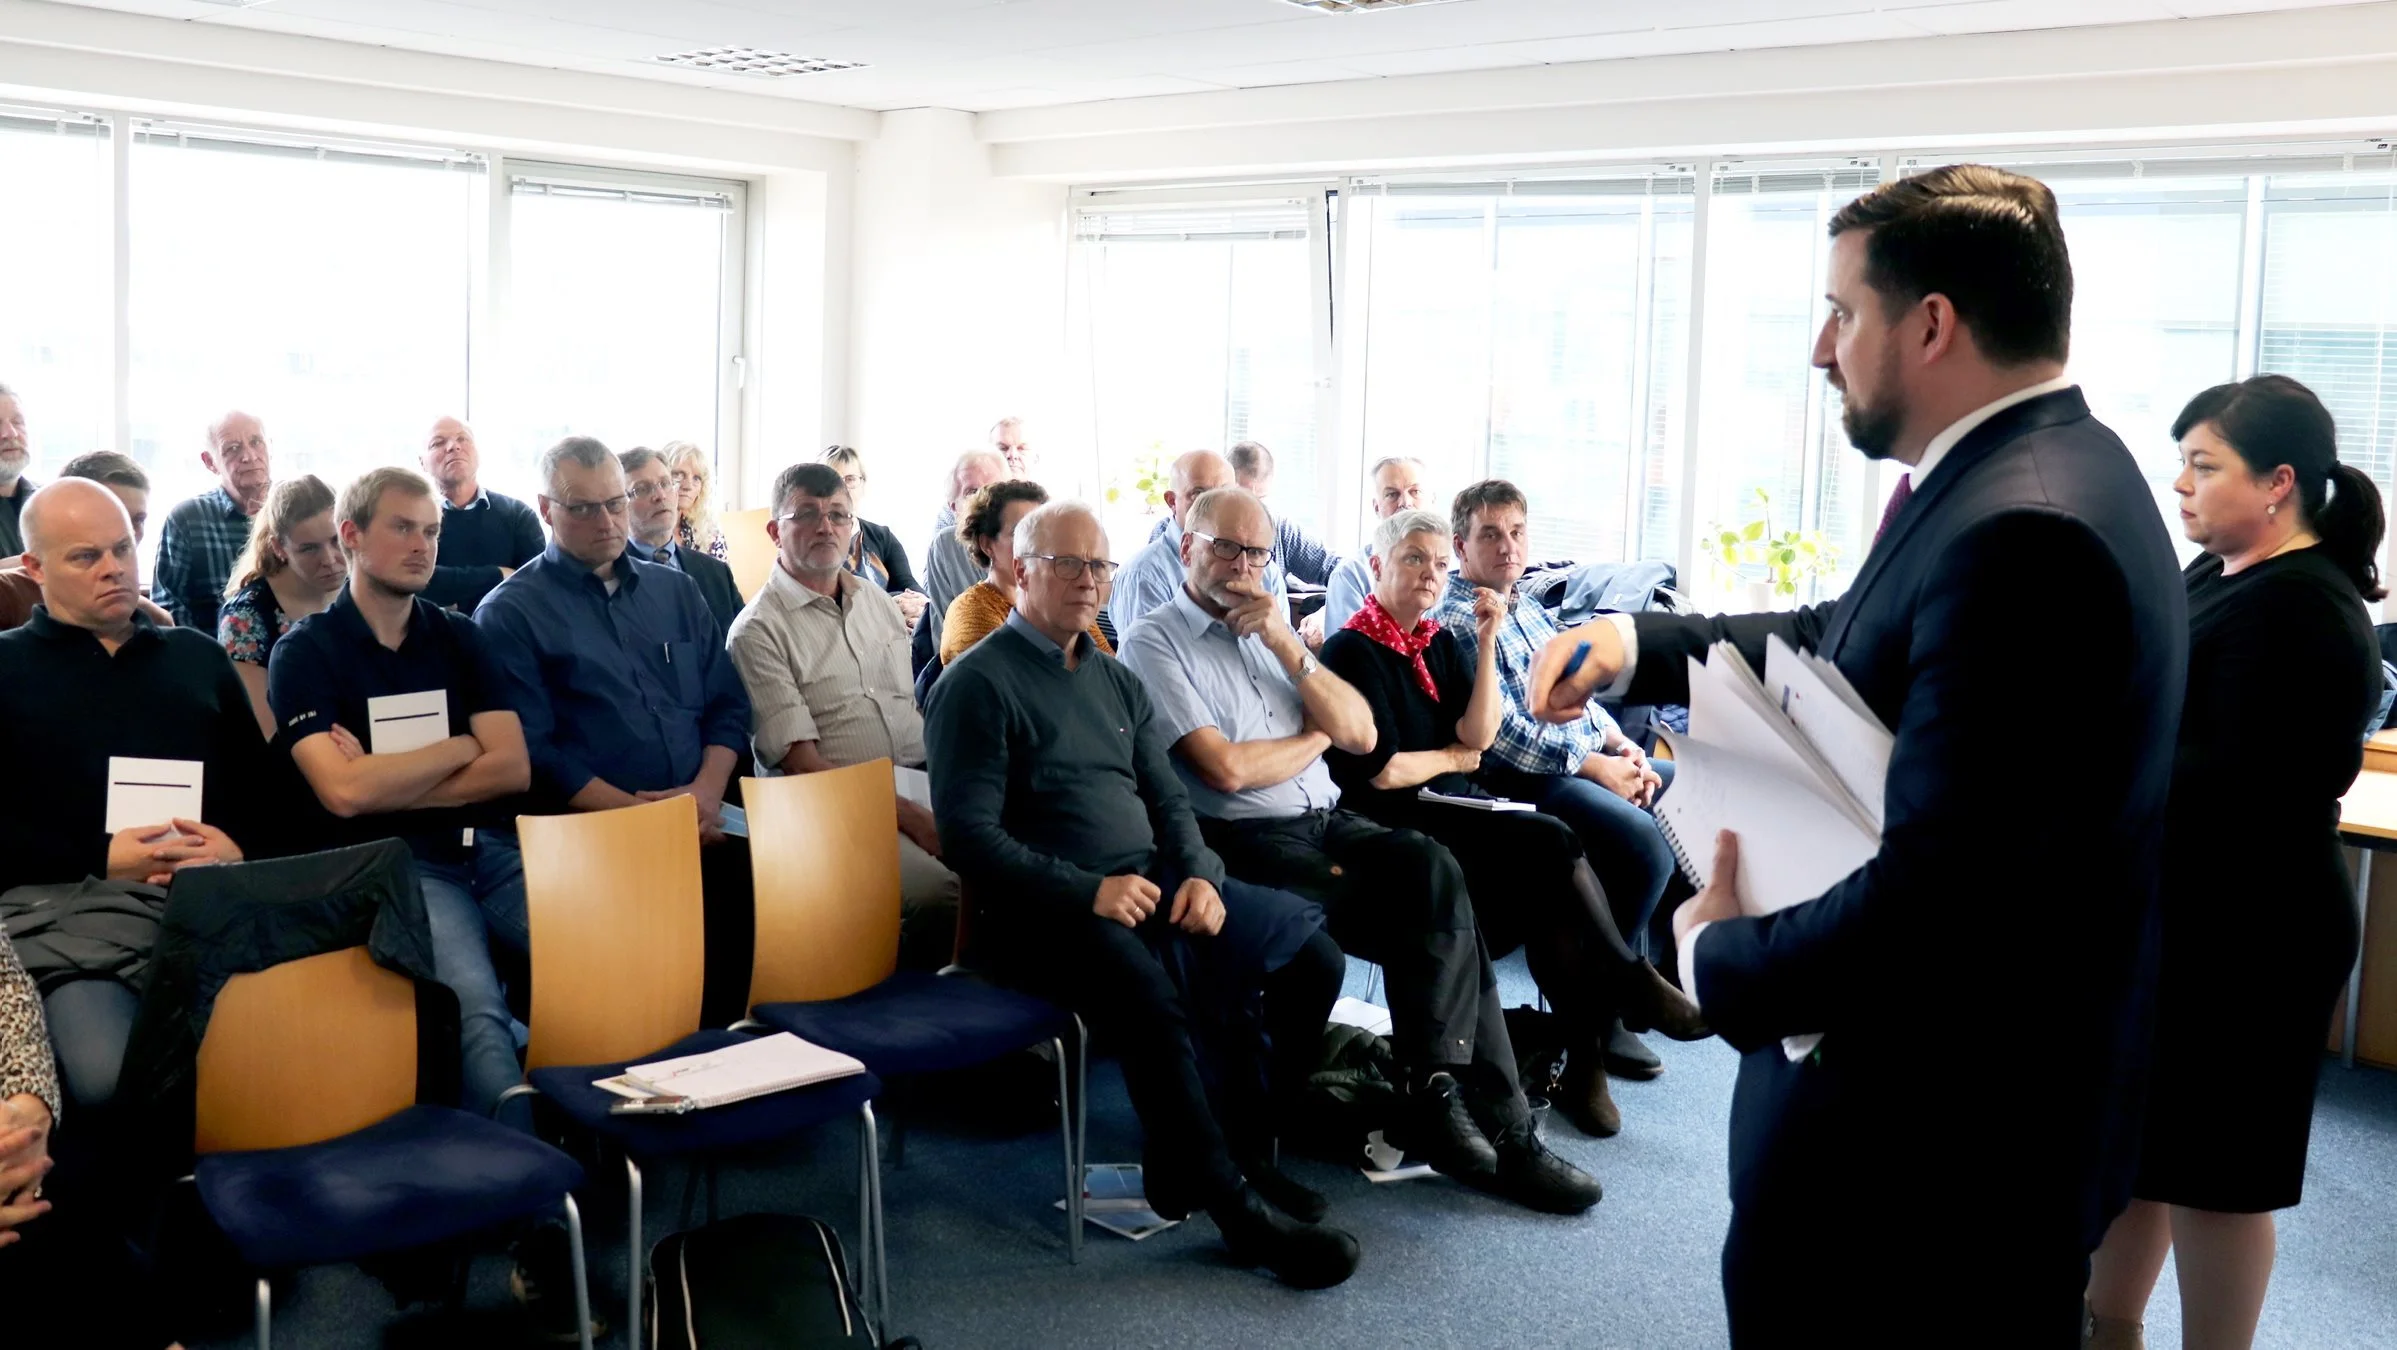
x=1232, y=549
x=614, y=506
x=650, y=490
x=810, y=518
x=1070, y=568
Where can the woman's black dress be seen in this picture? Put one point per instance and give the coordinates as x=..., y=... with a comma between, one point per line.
x=2259, y=912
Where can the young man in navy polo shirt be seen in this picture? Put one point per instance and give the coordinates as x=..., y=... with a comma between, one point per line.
x=401, y=724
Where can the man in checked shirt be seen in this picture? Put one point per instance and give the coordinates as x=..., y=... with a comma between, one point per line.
x=1587, y=774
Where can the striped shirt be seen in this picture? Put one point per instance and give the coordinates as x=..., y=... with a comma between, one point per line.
x=197, y=547
x=836, y=674
x=1524, y=741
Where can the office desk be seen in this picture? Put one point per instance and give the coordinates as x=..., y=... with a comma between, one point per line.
x=2368, y=823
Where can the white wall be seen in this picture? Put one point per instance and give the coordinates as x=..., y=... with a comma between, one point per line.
x=957, y=312
x=2300, y=72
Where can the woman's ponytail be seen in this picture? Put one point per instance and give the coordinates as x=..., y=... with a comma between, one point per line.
x=2350, y=524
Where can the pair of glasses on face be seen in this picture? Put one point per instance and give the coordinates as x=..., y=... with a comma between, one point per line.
x=612, y=506
x=650, y=491
x=1070, y=568
x=810, y=518
x=1230, y=550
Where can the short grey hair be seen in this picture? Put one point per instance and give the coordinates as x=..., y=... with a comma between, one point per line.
x=1036, y=522
x=1386, y=461
x=582, y=451
x=1392, y=532
x=1208, y=506
x=638, y=458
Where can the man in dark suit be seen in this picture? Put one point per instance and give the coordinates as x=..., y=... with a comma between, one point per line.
x=654, y=516
x=1938, y=1168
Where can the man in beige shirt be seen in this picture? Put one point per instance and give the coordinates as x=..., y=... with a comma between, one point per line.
x=825, y=657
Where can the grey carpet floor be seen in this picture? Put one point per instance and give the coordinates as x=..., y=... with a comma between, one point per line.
x=978, y=1253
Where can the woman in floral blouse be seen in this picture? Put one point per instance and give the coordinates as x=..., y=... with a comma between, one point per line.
x=291, y=568
x=694, y=487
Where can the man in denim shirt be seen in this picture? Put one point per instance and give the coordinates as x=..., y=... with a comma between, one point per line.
x=618, y=670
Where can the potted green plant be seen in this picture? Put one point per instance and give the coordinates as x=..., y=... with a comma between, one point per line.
x=1143, y=482
x=1776, y=562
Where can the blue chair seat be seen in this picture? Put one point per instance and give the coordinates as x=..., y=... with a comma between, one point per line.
x=774, y=1116
x=424, y=1175
x=916, y=1022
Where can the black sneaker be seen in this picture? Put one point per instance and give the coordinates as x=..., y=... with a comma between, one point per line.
x=1304, y=1255
x=1434, y=1126
x=1628, y=1057
x=543, y=1282
x=1531, y=1176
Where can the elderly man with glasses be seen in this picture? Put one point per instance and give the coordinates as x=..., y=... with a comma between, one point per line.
x=618, y=670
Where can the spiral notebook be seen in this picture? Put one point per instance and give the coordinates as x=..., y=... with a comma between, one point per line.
x=1794, y=764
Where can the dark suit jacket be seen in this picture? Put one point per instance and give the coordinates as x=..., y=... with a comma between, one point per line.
x=1984, y=982
x=715, y=583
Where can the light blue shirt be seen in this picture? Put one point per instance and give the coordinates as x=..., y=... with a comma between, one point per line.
x=1345, y=594
x=1199, y=675
x=1154, y=577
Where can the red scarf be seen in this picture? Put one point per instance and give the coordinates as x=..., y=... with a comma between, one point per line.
x=1375, y=622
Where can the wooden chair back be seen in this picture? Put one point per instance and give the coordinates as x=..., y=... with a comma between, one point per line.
x=825, y=851
x=306, y=1051
x=619, y=938
x=747, y=550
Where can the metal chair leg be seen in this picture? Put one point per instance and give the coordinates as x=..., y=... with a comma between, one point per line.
x=632, y=1253
x=1081, y=1121
x=877, y=1253
x=582, y=1276
x=1073, y=1172
x=263, y=1318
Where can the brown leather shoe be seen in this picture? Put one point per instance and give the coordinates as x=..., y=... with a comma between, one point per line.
x=1585, y=1100
x=1653, y=1004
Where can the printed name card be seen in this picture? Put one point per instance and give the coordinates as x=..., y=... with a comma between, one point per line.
x=151, y=792
x=398, y=723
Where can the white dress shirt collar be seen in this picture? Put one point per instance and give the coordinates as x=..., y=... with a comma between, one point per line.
x=1963, y=426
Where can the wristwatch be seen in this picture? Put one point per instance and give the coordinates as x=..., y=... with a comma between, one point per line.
x=1306, y=666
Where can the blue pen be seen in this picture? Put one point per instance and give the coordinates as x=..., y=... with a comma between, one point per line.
x=1573, y=664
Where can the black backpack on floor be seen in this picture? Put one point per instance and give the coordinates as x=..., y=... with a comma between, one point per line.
x=755, y=1282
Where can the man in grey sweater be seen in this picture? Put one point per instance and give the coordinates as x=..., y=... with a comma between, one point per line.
x=1058, y=805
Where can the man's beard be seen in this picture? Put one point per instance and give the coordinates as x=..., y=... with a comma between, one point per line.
x=1873, y=428
x=13, y=465
x=397, y=590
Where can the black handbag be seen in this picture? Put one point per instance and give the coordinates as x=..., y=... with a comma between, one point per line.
x=756, y=1282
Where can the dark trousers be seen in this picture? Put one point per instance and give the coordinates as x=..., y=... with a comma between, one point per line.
x=1811, y=1276
x=1398, y=899
x=1625, y=848
x=730, y=904
x=1179, y=1010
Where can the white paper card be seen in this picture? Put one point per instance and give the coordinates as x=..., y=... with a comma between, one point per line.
x=913, y=784
x=151, y=792
x=399, y=723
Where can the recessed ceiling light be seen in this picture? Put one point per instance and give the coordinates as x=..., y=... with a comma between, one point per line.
x=751, y=61
x=1360, y=6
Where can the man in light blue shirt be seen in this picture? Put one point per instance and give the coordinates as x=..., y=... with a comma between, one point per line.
x=1397, y=486
x=1155, y=573
x=1248, y=715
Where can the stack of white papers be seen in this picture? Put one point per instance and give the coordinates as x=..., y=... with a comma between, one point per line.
x=1794, y=764
x=736, y=1073
x=1473, y=803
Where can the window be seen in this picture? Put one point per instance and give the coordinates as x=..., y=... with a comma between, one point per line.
x=56, y=339
x=1769, y=422
x=1200, y=332
x=2329, y=305
x=327, y=294
x=616, y=322
x=1534, y=331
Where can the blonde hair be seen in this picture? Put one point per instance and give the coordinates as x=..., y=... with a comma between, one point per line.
x=700, y=520
x=287, y=504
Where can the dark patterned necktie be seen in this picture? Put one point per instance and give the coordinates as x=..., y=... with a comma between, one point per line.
x=1897, y=503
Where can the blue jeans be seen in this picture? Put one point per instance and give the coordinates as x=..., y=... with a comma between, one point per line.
x=1624, y=846
x=467, y=905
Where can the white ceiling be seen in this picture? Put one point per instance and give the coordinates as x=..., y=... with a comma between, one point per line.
x=980, y=55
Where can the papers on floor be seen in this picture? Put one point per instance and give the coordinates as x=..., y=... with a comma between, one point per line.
x=1385, y=1163
x=735, y=1073
x=1473, y=803
x=1794, y=764
x=151, y=792
x=1356, y=1012
x=1115, y=1197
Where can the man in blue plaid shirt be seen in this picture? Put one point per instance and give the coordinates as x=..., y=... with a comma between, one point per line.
x=203, y=536
x=1587, y=774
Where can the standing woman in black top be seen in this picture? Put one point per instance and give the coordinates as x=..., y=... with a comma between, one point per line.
x=2258, y=910
x=1434, y=714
